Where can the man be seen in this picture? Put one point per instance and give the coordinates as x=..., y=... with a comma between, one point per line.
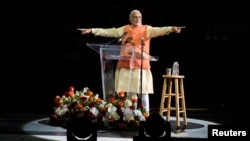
x=138, y=35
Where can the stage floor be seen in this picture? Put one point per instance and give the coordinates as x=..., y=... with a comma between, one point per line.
x=35, y=127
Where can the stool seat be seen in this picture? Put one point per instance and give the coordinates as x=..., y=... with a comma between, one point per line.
x=173, y=87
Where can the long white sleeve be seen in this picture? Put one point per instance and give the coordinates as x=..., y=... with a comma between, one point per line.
x=108, y=32
x=158, y=31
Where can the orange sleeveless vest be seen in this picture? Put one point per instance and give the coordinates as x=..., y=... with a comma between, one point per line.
x=138, y=33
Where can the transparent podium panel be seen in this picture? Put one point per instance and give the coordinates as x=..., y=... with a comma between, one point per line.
x=109, y=54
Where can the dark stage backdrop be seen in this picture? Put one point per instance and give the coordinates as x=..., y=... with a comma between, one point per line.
x=42, y=53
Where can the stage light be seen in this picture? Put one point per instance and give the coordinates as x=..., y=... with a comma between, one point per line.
x=81, y=129
x=154, y=128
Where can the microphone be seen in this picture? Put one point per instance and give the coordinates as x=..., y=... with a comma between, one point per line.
x=118, y=39
x=142, y=41
x=123, y=35
x=128, y=40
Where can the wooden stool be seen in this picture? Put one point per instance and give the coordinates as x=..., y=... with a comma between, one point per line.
x=178, y=93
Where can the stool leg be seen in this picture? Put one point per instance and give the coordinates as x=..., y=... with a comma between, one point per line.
x=177, y=104
x=163, y=96
x=183, y=103
x=169, y=93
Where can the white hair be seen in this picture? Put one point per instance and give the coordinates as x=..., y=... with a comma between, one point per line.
x=134, y=11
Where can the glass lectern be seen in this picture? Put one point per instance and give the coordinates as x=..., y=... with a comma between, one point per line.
x=109, y=53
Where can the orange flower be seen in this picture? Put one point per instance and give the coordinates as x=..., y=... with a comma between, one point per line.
x=134, y=99
x=121, y=94
x=58, y=101
x=71, y=88
x=99, y=100
x=89, y=93
x=120, y=103
x=71, y=93
x=112, y=100
x=146, y=114
x=103, y=108
x=91, y=98
x=79, y=106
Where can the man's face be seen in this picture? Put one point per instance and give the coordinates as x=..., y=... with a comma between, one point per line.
x=136, y=19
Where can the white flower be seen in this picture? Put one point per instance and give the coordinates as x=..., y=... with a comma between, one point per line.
x=127, y=103
x=96, y=96
x=66, y=99
x=109, y=105
x=101, y=106
x=127, y=114
x=60, y=111
x=114, y=116
x=128, y=117
x=112, y=109
x=78, y=93
x=94, y=111
x=139, y=114
x=126, y=111
x=142, y=118
x=85, y=89
x=86, y=108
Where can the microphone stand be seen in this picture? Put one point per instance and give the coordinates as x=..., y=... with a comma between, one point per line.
x=142, y=46
x=111, y=41
x=118, y=39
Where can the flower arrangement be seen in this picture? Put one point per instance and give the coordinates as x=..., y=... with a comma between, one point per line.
x=118, y=112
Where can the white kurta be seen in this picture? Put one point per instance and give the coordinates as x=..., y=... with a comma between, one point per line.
x=128, y=80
